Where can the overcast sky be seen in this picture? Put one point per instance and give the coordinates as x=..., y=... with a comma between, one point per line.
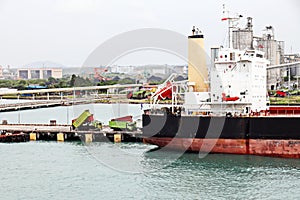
x=67, y=31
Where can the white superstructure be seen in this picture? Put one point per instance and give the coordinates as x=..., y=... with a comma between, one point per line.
x=238, y=81
x=238, y=77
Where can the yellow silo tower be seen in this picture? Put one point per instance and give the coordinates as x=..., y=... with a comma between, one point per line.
x=197, y=70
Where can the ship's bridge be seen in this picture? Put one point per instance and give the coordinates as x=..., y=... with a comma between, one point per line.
x=229, y=55
x=254, y=54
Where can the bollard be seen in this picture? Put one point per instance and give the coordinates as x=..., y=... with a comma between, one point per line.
x=88, y=138
x=60, y=137
x=117, y=137
x=32, y=136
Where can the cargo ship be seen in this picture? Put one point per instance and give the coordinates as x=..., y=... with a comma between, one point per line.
x=226, y=105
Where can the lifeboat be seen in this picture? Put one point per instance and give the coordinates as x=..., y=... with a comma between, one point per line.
x=227, y=98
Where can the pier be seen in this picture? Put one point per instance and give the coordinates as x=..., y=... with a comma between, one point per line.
x=73, y=90
x=46, y=103
x=34, y=104
x=31, y=105
x=42, y=98
x=54, y=132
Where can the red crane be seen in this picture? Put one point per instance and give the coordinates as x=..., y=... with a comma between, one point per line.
x=99, y=74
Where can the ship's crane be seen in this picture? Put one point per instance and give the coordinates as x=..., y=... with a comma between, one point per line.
x=170, y=89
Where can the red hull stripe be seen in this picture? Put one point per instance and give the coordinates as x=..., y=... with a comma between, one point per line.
x=274, y=148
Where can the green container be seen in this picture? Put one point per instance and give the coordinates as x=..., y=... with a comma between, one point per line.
x=122, y=125
x=81, y=119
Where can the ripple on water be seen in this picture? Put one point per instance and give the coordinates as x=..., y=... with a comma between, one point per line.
x=73, y=171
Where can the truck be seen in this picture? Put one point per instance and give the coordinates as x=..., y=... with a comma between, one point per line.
x=280, y=93
x=123, y=123
x=86, y=121
x=141, y=93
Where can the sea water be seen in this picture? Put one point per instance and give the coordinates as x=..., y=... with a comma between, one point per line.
x=73, y=170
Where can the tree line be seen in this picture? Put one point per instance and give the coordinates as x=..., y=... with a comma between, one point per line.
x=71, y=81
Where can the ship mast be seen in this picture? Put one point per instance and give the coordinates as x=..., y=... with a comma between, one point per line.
x=232, y=19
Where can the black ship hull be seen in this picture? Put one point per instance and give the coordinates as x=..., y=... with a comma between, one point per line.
x=267, y=136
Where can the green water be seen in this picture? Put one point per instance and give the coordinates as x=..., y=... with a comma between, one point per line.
x=71, y=171
x=52, y=170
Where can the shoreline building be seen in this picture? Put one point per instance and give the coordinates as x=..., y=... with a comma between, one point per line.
x=39, y=73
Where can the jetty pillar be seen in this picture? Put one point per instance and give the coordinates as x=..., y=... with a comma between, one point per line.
x=88, y=138
x=32, y=136
x=60, y=137
x=117, y=138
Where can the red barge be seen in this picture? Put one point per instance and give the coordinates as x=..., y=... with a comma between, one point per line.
x=15, y=137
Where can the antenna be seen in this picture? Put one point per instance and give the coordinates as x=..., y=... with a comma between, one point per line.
x=249, y=23
x=196, y=31
x=232, y=19
x=269, y=32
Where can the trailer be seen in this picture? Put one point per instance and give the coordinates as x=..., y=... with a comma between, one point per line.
x=123, y=123
x=86, y=121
